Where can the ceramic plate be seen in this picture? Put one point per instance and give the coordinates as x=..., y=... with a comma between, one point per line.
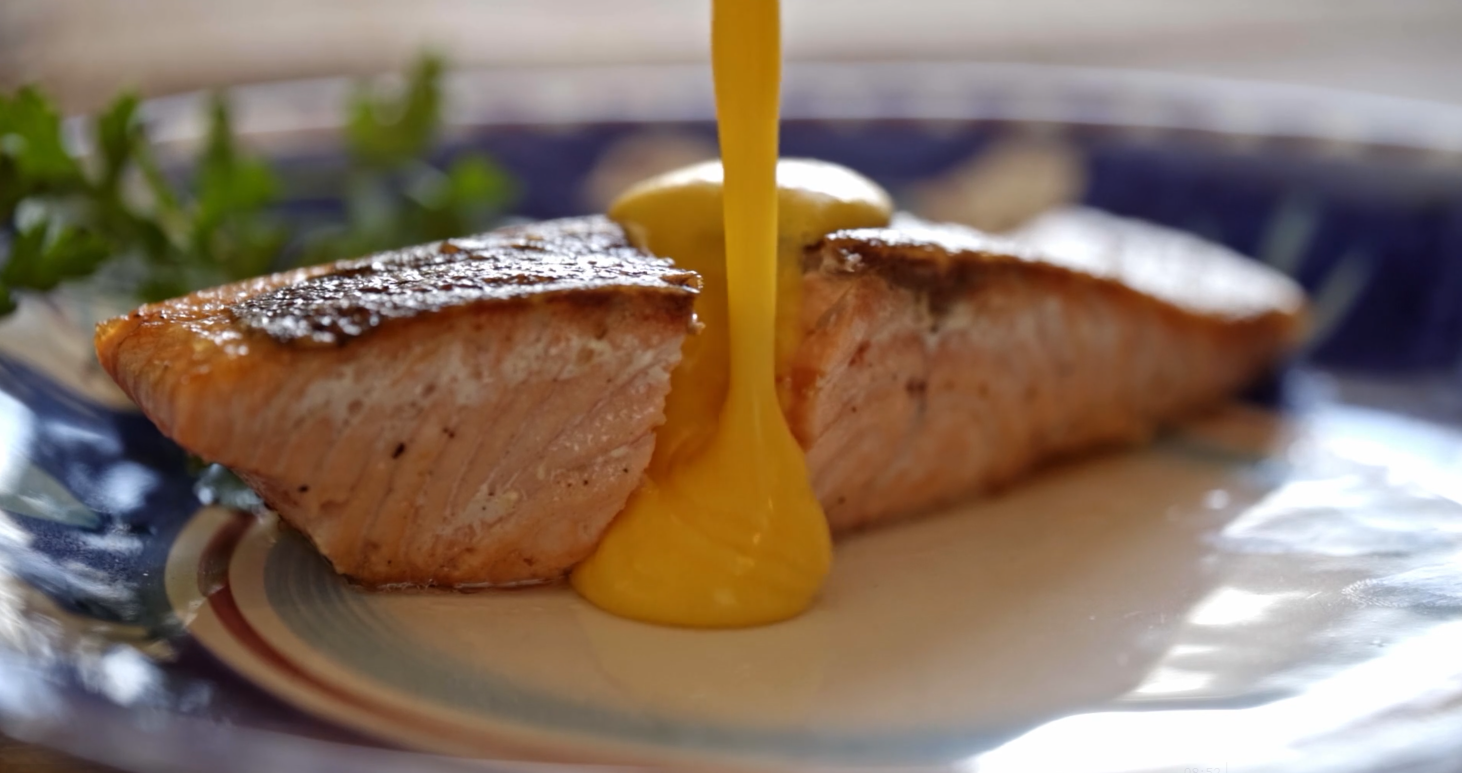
x=1277, y=585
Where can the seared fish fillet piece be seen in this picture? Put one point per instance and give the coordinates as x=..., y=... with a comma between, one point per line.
x=462, y=413
x=475, y=412
x=938, y=361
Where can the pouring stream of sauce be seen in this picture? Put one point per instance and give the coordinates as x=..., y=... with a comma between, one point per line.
x=725, y=531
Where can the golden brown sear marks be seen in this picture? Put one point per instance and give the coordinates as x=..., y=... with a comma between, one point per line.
x=586, y=259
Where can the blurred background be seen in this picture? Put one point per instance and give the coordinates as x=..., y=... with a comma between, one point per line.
x=83, y=50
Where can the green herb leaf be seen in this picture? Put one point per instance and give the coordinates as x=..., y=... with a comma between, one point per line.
x=386, y=130
x=45, y=254
x=60, y=222
x=31, y=140
x=117, y=134
x=478, y=180
x=231, y=229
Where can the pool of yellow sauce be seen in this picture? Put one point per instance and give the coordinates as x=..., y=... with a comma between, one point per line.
x=725, y=530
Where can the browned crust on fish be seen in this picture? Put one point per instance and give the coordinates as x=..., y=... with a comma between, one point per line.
x=582, y=260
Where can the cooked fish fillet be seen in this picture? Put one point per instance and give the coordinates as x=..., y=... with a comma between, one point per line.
x=938, y=361
x=470, y=412
x=475, y=412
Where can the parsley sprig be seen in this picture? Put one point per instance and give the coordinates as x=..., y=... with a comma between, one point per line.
x=65, y=218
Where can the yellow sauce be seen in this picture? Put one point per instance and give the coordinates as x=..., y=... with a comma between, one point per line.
x=678, y=215
x=725, y=531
